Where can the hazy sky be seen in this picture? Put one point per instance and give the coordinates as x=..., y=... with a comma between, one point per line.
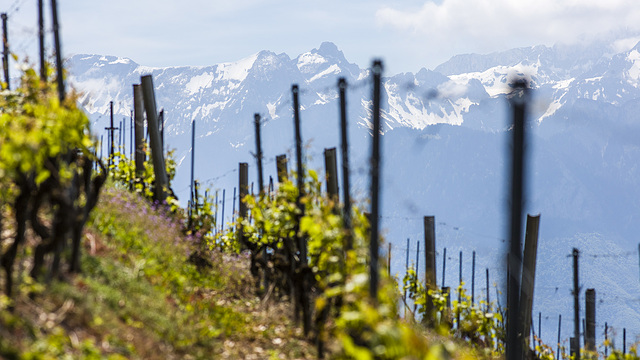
x=408, y=34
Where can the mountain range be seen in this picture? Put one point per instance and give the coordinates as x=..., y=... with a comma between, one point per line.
x=445, y=149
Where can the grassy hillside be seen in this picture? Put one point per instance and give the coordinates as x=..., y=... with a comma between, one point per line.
x=140, y=296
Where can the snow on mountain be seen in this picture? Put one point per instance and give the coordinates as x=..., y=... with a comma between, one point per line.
x=445, y=149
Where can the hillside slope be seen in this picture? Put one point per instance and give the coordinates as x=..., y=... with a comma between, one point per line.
x=140, y=297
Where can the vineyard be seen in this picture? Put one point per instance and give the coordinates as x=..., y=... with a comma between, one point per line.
x=158, y=282
x=101, y=261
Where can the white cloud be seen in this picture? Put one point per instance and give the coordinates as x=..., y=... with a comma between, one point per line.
x=507, y=22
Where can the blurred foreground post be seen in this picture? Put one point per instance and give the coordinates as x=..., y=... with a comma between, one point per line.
x=375, y=183
x=515, y=336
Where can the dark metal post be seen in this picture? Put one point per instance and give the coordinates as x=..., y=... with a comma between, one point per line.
x=342, y=86
x=5, y=50
x=161, y=124
x=444, y=264
x=233, y=212
x=43, y=64
x=418, y=260
x=375, y=182
x=487, y=277
x=302, y=243
x=256, y=120
x=271, y=188
x=215, y=216
x=193, y=151
x=123, y=125
x=389, y=261
x=473, y=275
x=131, y=143
x=515, y=336
x=56, y=39
x=459, y=289
x=243, y=183
x=606, y=337
x=576, y=303
x=224, y=194
x=406, y=267
x=300, y=176
x=540, y=328
x=111, y=141
x=559, y=332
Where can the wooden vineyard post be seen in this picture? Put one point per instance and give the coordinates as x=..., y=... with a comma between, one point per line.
x=375, y=182
x=444, y=264
x=429, y=267
x=281, y=168
x=515, y=341
x=332, y=173
x=161, y=182
x=529, y=272
x=243, y=186
x=138, y=116
x=574, y=346
x=576, y=307
x=344, y=145
x=446, y=316
x=590, y=312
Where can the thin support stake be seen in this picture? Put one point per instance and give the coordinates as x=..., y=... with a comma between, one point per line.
x=473, y=276
x=444, y=265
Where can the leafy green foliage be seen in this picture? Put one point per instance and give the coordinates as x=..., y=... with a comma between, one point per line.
x=36, y=129
x=347, y=320
x=46, y=163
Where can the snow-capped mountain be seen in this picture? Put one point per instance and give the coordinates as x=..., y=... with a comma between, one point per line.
x=445, y=151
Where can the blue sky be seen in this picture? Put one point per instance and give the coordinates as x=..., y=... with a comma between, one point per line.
x=408, y=34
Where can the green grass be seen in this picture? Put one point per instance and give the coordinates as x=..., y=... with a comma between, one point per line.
x=139, y=296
